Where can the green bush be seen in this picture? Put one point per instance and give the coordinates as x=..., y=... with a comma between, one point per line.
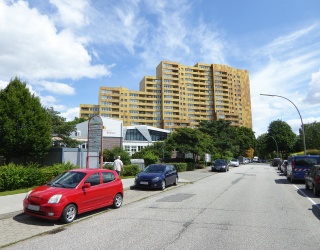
x=191, y=166
x=182, y=166
x=150, y=158
x=313, y=152
x=128, y=170
x=33, y=176
x=108, y=166
x=131, y=170
x=14, y=177
x=308, y=152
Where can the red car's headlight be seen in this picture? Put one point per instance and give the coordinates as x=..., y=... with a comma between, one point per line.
x=27, y=195
x=55, y=199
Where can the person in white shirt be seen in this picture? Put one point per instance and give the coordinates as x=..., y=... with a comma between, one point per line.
x=118, y=165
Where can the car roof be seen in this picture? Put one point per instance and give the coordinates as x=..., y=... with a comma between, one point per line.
x=160, y=164
x=306, y=156
x=89, y=170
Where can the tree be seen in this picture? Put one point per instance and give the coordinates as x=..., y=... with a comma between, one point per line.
x=222, y=135
x=110, y=155
x=189, y=140
x=282, y=133
x=78, y=120
x=25, y=126
x=62, y=129
x=312, y=135
x=160, y=149
x=245, y=139
x=261, y=147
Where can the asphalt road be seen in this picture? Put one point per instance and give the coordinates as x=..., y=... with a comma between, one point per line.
x=250, y=207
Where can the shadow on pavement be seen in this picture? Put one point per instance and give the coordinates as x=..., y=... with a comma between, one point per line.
x=30, y=220
x=282, y=181
x=316, y=211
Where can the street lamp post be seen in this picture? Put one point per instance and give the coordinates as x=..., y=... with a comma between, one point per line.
x=302, y=126
x=276, y=145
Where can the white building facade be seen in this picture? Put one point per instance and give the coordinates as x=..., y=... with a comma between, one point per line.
x=132, y=138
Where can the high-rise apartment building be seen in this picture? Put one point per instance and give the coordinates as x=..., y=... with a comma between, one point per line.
x=179, y=96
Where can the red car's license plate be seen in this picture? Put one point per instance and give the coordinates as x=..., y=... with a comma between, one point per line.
x=33, y=207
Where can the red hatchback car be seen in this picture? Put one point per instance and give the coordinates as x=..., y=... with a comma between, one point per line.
x=75, y=192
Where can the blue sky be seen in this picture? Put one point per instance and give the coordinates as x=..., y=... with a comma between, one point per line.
x=66, y=49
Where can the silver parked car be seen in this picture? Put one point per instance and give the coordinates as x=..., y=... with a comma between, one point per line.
x=234, y=163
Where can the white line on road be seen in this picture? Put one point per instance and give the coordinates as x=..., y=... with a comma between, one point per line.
x=312, y=201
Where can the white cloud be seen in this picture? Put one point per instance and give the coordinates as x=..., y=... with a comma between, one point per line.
x=72, y=13
x=71, y=113
x=118, y=25
x=313, y=95
x=31, y=47
x=48, y=101
x=287, y=42
x=173, y=36
x=3, y=84
x=57, y=88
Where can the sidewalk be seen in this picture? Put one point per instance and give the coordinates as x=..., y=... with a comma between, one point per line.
x=11, y=205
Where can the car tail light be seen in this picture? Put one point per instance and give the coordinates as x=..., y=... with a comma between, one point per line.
x=317, y=179
x=292, y=163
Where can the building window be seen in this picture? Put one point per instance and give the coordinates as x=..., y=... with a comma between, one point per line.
x=134, y=135
x=133, y=149
x=157, y=135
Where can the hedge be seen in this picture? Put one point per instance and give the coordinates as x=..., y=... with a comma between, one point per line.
x=128, y=170
x=14, y=177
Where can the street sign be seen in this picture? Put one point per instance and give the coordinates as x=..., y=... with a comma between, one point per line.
x=95, y=128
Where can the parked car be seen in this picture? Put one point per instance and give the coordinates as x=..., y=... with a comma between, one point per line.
x=299, y=165
x=255, y=159
x=157, y=176
x=284, y=167
x=220, y=165
x=74, y=192
x=276, y=162
x=241, y=160
x=312, y=179
x=234, y=163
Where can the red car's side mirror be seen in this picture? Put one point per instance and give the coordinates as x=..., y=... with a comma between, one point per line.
x=86, y=185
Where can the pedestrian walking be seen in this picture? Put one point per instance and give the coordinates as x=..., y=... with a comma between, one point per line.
x=118, y=165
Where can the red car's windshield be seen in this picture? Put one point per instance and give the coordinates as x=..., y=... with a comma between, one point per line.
x=67, y=180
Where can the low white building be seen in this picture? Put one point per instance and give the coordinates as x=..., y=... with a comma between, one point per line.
x=140, y=136
x=131, y=138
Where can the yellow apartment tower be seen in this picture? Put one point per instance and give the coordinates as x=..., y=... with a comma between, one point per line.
x=179, y=96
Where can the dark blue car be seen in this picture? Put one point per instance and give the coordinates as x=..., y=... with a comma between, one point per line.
x=157, y=176
x=299, y=165
x=220, y=165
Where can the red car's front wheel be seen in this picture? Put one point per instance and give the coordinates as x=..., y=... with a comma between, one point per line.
x=69, y=213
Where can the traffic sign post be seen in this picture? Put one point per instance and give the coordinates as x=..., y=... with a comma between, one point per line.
x=95, y=129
